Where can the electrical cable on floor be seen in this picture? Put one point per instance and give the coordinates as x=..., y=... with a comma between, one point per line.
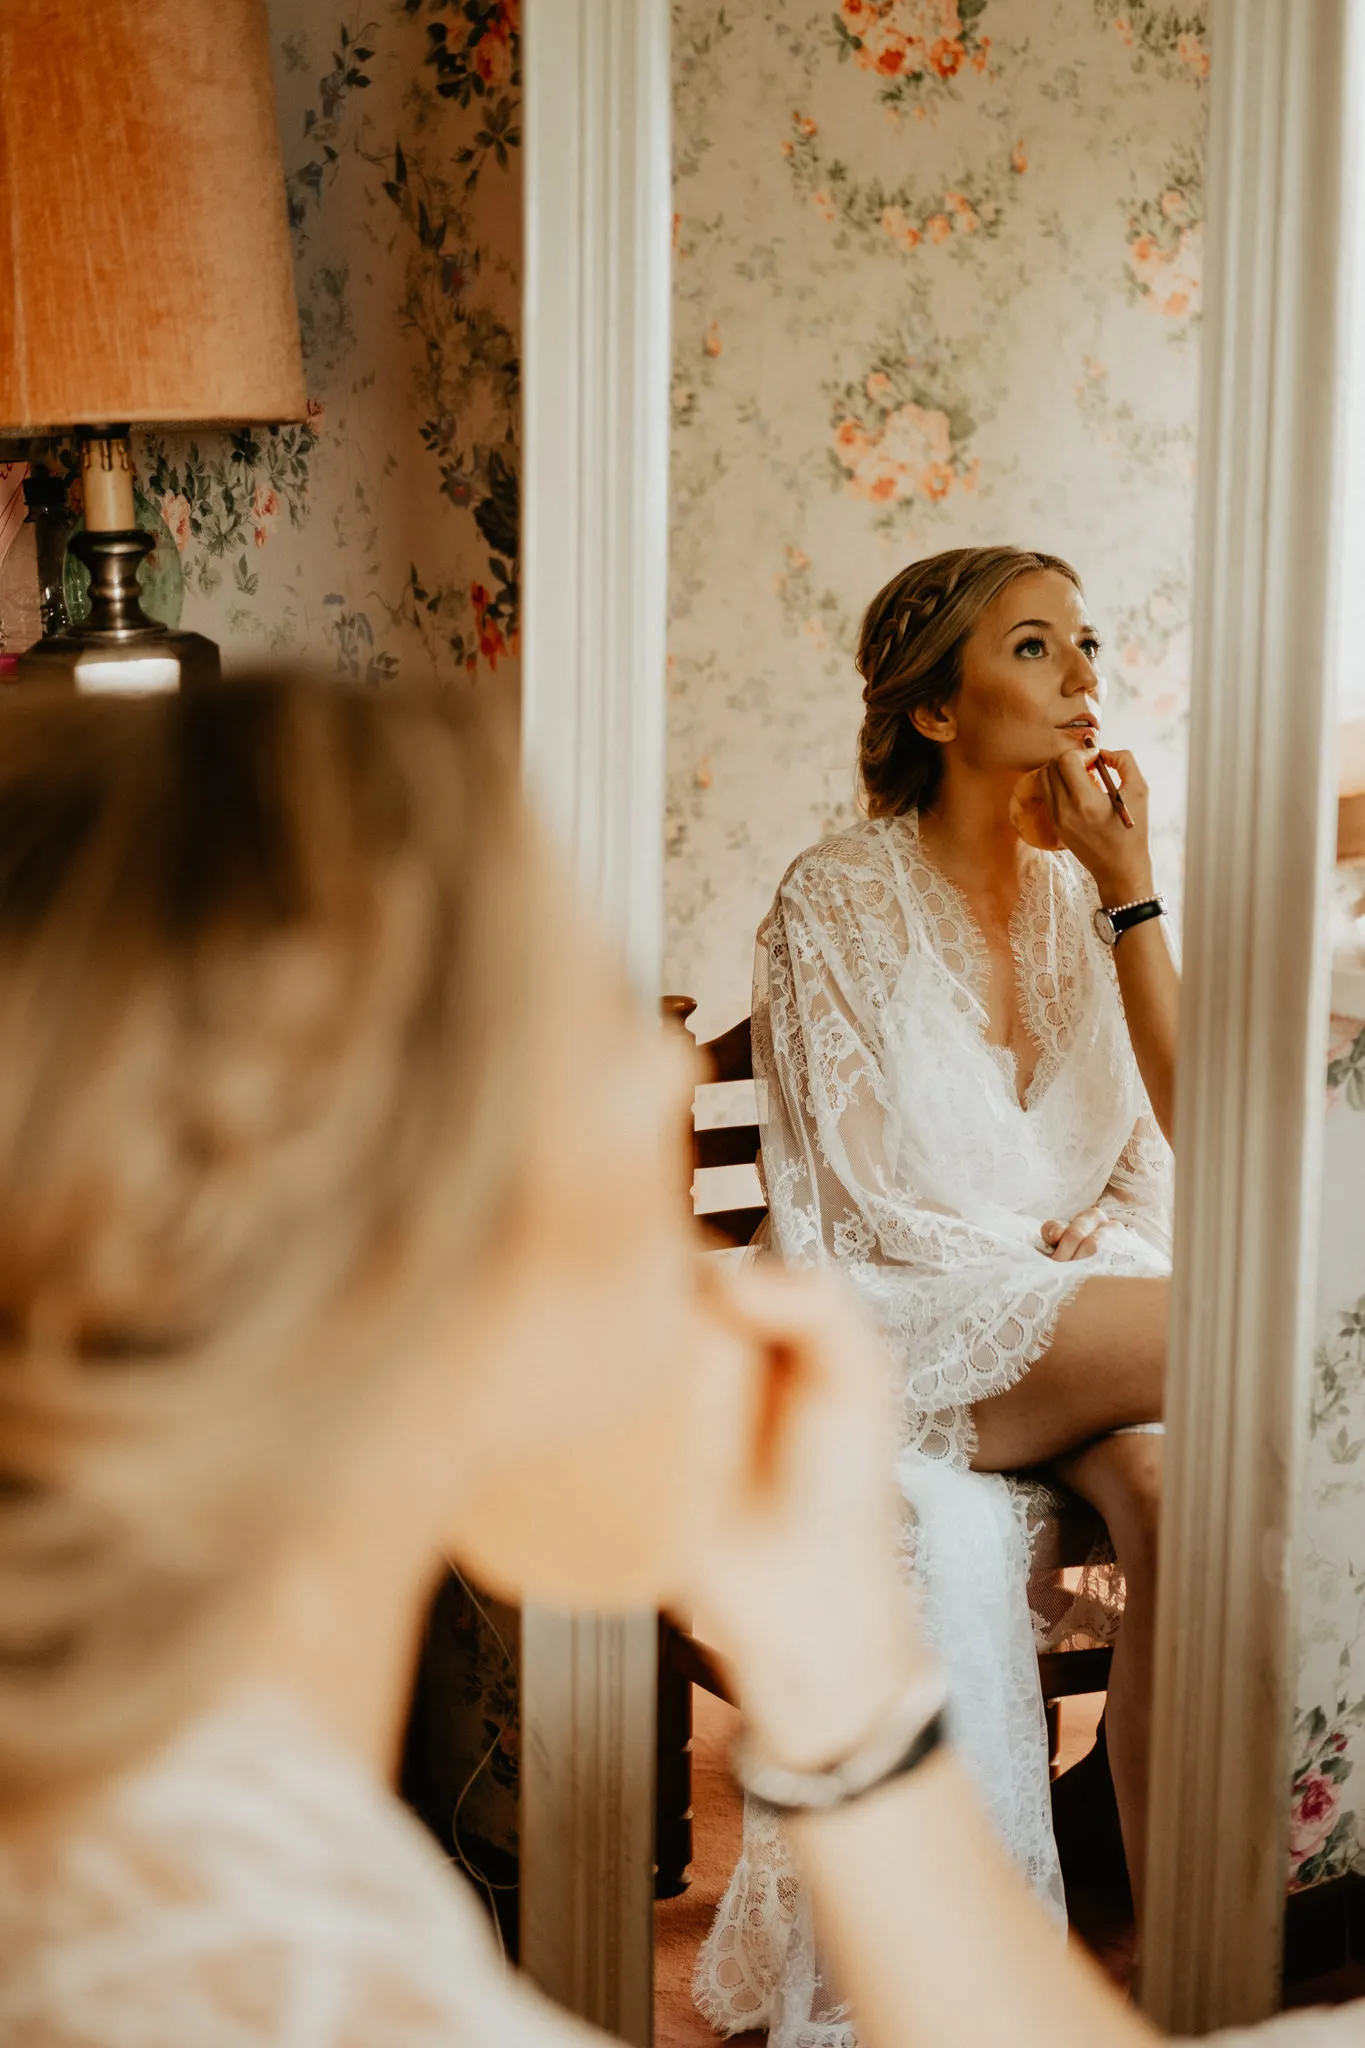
x=488, y=1885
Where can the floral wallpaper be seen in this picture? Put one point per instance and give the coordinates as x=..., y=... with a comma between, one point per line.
x=1327, y=1821
x=380, y=535
x=937, y=281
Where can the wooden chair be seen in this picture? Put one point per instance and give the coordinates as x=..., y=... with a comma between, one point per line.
x=1066, y=1542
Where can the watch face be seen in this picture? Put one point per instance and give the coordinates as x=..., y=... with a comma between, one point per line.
x=1104, y=927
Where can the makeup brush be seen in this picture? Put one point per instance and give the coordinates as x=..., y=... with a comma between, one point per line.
x=1101, y=768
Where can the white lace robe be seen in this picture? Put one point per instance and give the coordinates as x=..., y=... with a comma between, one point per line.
x=894, y=1142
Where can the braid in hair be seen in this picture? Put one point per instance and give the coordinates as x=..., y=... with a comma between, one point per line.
x=910, y=658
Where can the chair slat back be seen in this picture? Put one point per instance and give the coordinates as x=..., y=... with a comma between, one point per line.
x=727, y=1058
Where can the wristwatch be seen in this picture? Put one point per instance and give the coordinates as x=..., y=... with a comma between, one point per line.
x=1110, y=925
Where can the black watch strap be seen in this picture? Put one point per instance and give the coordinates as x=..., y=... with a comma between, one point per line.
x=1130, y=914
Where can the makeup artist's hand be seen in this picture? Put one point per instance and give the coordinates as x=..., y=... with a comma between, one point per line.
x=1117, y=855
x=794, y=1570
x=1078, y=1239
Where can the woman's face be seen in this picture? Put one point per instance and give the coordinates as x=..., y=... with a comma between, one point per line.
x=1030, y=688
x=581, y=1356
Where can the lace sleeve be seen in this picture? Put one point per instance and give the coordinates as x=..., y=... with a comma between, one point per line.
x=1140, y=1187
x=964, y=1314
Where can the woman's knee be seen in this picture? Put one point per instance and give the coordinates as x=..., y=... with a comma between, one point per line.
x=1133, y=1512
x=1121, y=1478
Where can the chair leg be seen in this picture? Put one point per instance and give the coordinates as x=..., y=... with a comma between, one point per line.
x=673, y=1783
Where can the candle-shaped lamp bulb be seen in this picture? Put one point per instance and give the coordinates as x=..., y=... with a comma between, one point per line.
x=107, y=482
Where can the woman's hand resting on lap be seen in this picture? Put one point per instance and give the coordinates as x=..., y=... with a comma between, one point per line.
x=1078, y=1239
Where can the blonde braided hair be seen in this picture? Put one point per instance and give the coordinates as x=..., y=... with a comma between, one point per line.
x=910, y=656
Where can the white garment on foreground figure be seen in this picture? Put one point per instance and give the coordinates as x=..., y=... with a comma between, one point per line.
x=894, y=1142
x=253, y=1887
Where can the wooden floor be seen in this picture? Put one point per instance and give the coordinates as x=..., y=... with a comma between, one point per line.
x=680, y=1924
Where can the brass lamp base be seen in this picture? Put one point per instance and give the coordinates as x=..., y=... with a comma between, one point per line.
x=118, y=648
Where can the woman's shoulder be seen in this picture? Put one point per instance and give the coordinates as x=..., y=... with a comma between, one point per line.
x=846, y=864
x=252, y=1872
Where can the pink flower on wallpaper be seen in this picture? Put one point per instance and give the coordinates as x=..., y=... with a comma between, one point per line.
x=1342, y=1035
x=1191, y=51
x=265, y=509
x=913, y=454
x=712, y=343
x=804, y=125
x=1019, y=158
x=878, y=384
x=890, y=53
x=824, y=206
x=1312, y=1817
x=493, y=58
x=1123, y=29
x=859, y=16
x=938, y=227
x=946, y=57
x=905, y=38
x=492, y=645
x=315, y=415
x=896, y=224
x=1145, y=258
x=1171, y=279
x=1174, y=205
x=175, y=510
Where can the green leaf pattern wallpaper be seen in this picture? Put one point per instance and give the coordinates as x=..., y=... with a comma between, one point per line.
x=1326, y=1826
x=379, y=536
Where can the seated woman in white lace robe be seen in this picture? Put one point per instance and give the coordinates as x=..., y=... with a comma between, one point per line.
x=956, y=1084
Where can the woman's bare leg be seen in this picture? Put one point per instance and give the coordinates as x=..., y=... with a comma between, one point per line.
x=1103, y=1370
x=1121, y=1478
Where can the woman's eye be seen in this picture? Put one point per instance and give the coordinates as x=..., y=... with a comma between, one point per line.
x=1091, y=649
x=1032, y=647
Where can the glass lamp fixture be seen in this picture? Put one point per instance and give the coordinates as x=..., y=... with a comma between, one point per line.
x=145, y=276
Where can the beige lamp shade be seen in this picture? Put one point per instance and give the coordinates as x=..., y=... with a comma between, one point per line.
x=145, y=268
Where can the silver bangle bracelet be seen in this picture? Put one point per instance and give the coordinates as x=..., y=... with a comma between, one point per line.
x=901, y=1740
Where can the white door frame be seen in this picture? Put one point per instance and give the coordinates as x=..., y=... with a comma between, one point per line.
x=595, y=531
x=598, y=211
x=1261, y=817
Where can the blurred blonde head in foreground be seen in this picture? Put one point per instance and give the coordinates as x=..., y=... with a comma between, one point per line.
x=341, y=1203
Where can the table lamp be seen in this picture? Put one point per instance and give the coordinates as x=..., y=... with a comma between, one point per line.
x=145, y=275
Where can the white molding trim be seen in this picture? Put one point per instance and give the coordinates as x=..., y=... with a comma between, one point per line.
x=1253, y=1023
x=595, y=535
